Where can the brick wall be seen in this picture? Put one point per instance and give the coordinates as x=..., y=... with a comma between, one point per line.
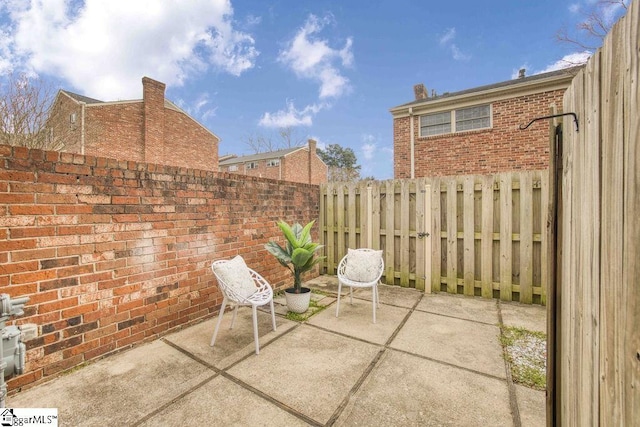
x=296, y=167
x=113, y=253
x=115, y=131
x=502, y=148
x=303, y=166
x=145, y=130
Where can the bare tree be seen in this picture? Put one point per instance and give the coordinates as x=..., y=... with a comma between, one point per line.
x=24, y=105
x=597, y=22
x=289, y=138
x=262, y=143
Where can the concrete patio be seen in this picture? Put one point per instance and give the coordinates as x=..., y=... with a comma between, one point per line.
x=431, y=359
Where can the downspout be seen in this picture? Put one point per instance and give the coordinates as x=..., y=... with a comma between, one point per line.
x=82, y=104
x=413, y=142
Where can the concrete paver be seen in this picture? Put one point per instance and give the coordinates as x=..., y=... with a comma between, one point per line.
x=469, y=308
x=356, y=320
x=117, y=390
x=406, y=390
x=222, y=402
x=444, y=366
x=231, y=344
x=391, y=295
x=308, y=369
x=531, y=317
x=460, y=342
x=531, y=404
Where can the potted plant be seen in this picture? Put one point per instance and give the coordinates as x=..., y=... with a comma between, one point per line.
x=299, y=256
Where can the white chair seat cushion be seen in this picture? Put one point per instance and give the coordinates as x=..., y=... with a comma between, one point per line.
x=235, y=274
x=362, y=266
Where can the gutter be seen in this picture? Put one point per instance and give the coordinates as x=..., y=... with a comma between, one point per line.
x=413, y=143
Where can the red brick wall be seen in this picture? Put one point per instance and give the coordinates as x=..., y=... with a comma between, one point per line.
x=142, y=131
x=187, y=144
x=115, y=131
x=293, y=168
x=59, y=124
x=296, y=167
x=113, y=253
x=502, y=148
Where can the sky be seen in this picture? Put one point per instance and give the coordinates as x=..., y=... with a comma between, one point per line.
x=329, y=70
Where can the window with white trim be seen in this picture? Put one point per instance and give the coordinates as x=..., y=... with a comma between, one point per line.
x=460, y=120
x=233, y=168
x=273, y=163
x=252, y=165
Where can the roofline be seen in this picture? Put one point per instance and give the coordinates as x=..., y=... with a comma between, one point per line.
x=263, y=156
x=170, y=105
x=495, y=92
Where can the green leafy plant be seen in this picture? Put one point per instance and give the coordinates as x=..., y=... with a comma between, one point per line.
x=299, y=252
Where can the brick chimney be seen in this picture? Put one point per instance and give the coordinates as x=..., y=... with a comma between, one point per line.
x=312, y=152
x=521, y=73
x=420, y=91
x=153, y=127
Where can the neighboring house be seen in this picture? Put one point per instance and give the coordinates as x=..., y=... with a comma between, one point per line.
x=151, y=129
x=298, y=164
x=475, y=131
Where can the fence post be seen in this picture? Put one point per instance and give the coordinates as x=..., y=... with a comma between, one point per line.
x=427, y=241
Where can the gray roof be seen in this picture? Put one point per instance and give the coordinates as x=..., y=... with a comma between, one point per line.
x=260, y=156
x=82, y=98
x=563, y=72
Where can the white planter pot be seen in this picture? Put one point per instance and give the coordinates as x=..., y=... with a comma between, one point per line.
x=298, y=303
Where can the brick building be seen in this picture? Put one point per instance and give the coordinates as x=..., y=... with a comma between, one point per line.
x=298, y=164
x=475, y=131
x=151, y=129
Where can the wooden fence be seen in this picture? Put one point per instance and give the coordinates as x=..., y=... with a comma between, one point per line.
x=471, y=235
x=598, y=309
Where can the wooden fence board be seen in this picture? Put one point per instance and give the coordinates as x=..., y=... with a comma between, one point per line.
x=436, y=226
x=389, y=251
x=469, y=236
x=421, y=225
x=452, y=236
x=405, y=262
x=506, y=237
x=486, y=269
x=526, y=238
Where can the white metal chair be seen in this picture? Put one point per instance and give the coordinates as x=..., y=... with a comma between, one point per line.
x=360, y=268
x=236, y=286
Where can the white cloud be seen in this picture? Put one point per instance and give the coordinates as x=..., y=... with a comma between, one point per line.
x=570, y=60
x=291, y=116
x=312, y=58
x=103, y=48
x=447, y=41
x=574, y=7
x=201, y=108
x=448, y=36
x=368, y=147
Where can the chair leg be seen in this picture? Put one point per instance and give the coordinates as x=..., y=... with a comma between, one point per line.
x=235, y=313
x=215, y=331
x=338, y=302
x=273, y=315
x=254, y=308
x=374, y=297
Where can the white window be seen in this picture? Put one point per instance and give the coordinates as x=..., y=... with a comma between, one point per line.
x=233, y=168
x=460, y=120
x=252, y=165
x=435, y=124
x=273, y=162
x=473, y=118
